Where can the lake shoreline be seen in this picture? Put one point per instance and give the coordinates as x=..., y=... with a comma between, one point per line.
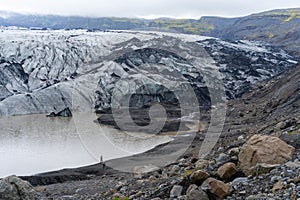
x=155, y=155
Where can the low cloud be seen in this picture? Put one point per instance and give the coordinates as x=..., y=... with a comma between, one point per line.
x=149, y=9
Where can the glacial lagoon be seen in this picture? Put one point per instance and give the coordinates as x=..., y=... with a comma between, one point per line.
x=33, y=144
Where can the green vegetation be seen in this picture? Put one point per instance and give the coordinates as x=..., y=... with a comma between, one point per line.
x=293, y=14
x=182, y=25
x=294, y=132
x=283, y=15
x=123, y=198
x=271, y=35
x=188, y=172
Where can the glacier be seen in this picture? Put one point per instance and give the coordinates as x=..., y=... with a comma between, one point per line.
x=47, y=71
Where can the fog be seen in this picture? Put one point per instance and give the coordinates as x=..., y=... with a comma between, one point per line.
x=146, y=9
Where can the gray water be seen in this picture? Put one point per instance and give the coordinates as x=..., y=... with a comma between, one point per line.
x=33, y=144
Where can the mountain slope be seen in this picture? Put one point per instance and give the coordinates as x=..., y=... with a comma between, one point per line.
x=277, y=27
x=272, y=107
x=190, y=26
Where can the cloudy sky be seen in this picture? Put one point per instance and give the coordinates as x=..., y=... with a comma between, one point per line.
x=146, y=8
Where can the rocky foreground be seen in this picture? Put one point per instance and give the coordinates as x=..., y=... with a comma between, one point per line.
x=257, y=157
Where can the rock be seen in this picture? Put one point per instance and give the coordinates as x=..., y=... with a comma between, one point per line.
x=242, y=192
x=67, y=197
x=263, y=149
x=14, y=188
x=80, y=191
x=174, y=170
x=280, y=126
x=176, y=191
x=262, y=168
x=194, y=160
x=64, y=113
x=202, y=164
x=152, y=179
x=227, y=170
x=117, y=196
x=185, y=165
x=293, y=164
x=222, y=158
x=277, y=186
x=297, y=180
x=40, y=189
x=255, y=197
x=216, y=187
x=140, y=170
x=198, y=177
x=240, y=180
x=195, y=193
x=234, y=151
x=241, y=138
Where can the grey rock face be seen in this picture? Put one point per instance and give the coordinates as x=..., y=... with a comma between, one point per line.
x=176, y=191
x=195, y=193
x=14, y=188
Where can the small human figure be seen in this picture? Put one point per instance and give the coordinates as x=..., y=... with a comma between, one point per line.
x=102, y=162
x=199, y=127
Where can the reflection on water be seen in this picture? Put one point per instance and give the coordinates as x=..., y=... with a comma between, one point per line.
x=34, y=143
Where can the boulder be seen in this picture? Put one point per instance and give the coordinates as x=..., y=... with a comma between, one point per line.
x=278, y=186
x=263, y=168
x=194, y=160
x=198, y=177
x=195, y=193
x=176, y=191
x=216, y=188
x=293, y=165
x=222, y=158
x=143, y=169
x=14, y=188
x=234, y=151
x=263, y=149
x=240, y=180
x=175, y=170
x=280, y=126
x=227, y=170
x=202, y=164
x=40, y=189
